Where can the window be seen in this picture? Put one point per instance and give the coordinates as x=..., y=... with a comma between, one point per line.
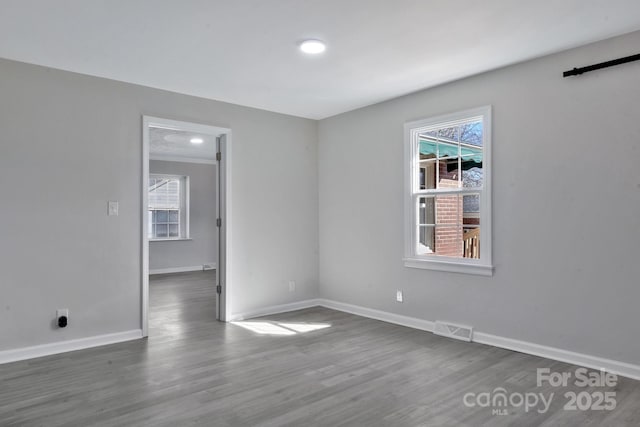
x=448, y=192
x=168, y=207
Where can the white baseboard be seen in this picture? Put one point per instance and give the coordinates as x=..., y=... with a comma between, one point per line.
x=25, y=353
x=614, y=366
x=183, y=269
x=276, y=309
x=411, y=322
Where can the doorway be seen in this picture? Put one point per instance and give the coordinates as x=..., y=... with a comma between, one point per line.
x=174, y=154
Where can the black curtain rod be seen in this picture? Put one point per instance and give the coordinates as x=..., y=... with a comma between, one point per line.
x=578, y=71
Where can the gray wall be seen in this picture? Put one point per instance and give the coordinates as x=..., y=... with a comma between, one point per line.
x=202, y=248
x=566, y=205
x=69, y=143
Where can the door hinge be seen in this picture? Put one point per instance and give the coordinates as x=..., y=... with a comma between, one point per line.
x=218, y=156
x=219, y=222
x=219, y=289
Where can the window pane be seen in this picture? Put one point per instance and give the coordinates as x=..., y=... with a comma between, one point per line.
x=471, y=225
x=448, y=241
x=472, y=154
x=448, y=174
x=471, y=242
x=426, y=240
x=448, y=142
x=162, y=216
x=471, y=208
x=426, y=210
x=174, y=230
x=471, y=133
x=174, y=216
x=427, y=177
x=161, y=230
x=448, y=210
x=428, y=145
x=472, y=177
x=164, y=193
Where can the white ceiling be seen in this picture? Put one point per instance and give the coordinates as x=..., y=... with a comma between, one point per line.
x=170, y=144
x=245, y=51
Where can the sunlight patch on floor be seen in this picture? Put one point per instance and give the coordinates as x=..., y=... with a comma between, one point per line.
x=278, y=328
x=305, y=327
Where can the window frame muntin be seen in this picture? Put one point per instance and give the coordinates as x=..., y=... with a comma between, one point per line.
x=482, y=266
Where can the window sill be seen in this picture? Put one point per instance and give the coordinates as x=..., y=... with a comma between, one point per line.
x=172, y=239
x=449, y=266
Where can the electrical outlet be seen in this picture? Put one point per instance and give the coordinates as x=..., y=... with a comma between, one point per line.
x=113, y=208
x=292, y=285
x=399, y=296
x=62, y=317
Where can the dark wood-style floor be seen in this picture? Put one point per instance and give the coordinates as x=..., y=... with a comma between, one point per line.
x=314, y=367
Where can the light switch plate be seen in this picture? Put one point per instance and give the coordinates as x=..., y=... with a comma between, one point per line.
x=113, y=209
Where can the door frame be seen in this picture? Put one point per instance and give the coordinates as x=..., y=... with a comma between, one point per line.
x=223, y=209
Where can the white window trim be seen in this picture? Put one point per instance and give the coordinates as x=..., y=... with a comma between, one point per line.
x=185, y=206
x=482, y=266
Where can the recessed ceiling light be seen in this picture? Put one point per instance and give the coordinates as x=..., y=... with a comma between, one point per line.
x=312, y=47
x=196, y=140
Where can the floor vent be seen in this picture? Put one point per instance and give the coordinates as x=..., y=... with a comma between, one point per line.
x=463, y=333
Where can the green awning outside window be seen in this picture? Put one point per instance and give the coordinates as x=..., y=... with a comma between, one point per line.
x=451, y=150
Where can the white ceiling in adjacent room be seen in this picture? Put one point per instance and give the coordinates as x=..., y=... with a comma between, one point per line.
x=246, y=51
x=173, y=144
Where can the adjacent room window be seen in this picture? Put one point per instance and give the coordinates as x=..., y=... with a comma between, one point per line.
x=168, y=207
x=448, y=192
